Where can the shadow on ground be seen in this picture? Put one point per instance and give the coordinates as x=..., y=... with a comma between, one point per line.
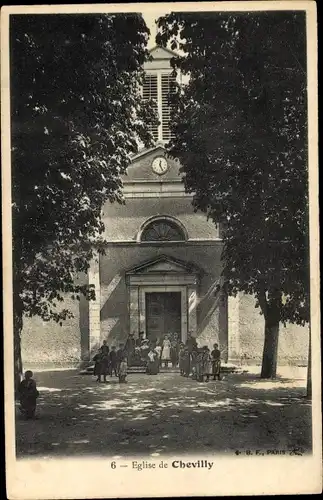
x=164, y=414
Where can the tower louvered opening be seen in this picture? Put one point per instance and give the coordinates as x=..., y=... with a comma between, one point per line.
x=167, y=90
x=159, y=87
x=150, y=92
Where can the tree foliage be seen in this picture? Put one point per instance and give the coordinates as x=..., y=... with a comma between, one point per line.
x=76, y=116
x=240, y=134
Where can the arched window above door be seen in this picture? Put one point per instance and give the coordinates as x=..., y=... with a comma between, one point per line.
x=162, y=229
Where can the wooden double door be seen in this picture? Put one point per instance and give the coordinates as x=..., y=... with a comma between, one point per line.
x=163, y=314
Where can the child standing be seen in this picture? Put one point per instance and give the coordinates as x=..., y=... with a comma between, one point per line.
x=206, y=364
x=97, y=365
x=186, y=362
x=123, y=367
x=104, y=360
x=216, y=362
x=181, y=357
x=120, y=354
x=113, y=361
x=28, y=395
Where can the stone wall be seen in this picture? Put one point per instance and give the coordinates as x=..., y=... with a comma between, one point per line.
x=47, y=344
x=293, y=339
x=123, y=222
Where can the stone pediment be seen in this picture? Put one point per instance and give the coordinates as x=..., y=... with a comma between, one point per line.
x=162, y=265
x=158, y=52
x=141, y=167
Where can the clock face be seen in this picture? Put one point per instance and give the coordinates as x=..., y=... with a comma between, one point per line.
x=159, y=165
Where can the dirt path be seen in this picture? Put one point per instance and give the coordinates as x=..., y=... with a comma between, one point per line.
x=157, y=415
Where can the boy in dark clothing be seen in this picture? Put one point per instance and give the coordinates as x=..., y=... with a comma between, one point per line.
x=104, y=360
x=191, y=345
x=113, y=361
x=28, y=395
x=181, y=358
x=216, y=362
x=97, y=365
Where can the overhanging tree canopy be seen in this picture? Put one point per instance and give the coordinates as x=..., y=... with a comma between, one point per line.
x=76, y=117
x=240, y=134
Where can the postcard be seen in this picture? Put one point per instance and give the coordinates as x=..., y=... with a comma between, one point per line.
x=161, y=250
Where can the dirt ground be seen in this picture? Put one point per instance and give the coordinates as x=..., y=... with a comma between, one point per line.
x=158, y=415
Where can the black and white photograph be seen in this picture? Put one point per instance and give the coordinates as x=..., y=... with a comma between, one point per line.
x=160, y=187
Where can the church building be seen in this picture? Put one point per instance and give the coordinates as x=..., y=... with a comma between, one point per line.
x=161, y=272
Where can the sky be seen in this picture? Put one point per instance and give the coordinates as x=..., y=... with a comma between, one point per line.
x=150, y=16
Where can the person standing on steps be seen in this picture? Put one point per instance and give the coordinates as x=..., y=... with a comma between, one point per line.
x=174, y=350
x=166, y=351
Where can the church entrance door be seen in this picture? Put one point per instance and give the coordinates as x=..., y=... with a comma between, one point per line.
x=163, y=314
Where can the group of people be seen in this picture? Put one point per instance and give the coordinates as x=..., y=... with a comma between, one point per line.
x=109, y=362
x=199, y=362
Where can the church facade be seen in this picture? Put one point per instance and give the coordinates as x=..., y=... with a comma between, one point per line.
x=161, y=272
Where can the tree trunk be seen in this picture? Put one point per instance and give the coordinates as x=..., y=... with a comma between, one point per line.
x=269, y=357
x=309, y=370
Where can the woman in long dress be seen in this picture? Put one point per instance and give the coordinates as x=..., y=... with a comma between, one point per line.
x=153, y=362
x=166, y=351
